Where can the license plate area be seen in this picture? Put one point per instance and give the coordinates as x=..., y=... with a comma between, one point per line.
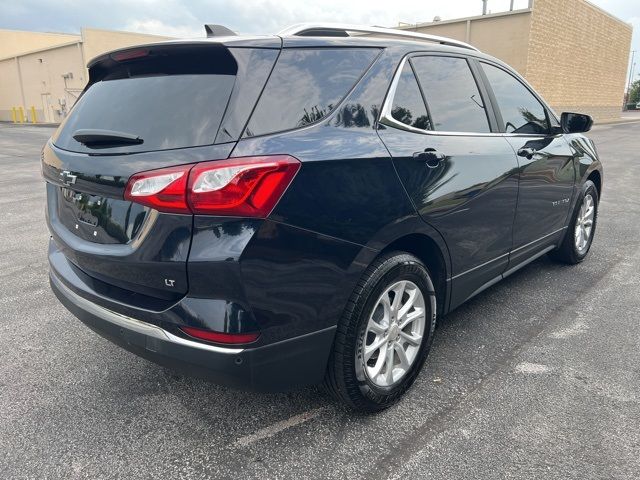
x=99, y=219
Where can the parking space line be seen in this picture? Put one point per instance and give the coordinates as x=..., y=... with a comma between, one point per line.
x=277, y=427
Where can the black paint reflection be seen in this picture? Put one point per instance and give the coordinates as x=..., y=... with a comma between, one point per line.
x=521, y=111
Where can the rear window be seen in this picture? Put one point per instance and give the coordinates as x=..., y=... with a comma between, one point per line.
x=454, y=102
x=306, y=85
x=180, y=105
x=408, y=106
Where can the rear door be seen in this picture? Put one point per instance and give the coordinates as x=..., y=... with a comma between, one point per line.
x=144, y=109
x=546, y=164
x=461, y=176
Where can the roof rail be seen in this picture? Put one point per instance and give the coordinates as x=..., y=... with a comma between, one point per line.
x=343, y=29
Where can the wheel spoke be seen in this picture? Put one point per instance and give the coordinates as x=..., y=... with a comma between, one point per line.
x=404, y=309
x=398, y=292
x=375, y=327
x=369, y=350
x=380, y=362
x=579, y=236
x=389, y=366
x=412, y=339
x=402, y=356
x=411, y=317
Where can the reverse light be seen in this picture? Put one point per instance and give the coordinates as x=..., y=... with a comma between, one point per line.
x=248, y=187
x=220, y=337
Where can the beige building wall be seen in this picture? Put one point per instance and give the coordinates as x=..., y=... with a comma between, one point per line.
x=586, y=69
x=504, y=35
x=573, y=53
x=15, y=42
x=50, y=78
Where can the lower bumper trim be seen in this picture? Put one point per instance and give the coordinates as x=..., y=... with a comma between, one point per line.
x=133, y=324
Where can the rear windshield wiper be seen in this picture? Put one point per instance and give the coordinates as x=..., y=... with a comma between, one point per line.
x=105, y=138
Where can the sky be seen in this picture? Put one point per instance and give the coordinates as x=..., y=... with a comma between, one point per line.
x=185, y=18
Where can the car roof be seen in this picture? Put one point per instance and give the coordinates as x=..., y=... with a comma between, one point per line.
x=326, y=35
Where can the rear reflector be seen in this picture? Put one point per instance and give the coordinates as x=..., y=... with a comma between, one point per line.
x=220, y=337
x=246, y=187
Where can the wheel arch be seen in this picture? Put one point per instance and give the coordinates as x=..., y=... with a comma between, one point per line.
x=596, y=177
x=427, y=250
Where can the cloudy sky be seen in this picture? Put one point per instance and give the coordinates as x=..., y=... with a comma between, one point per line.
x=186, y=17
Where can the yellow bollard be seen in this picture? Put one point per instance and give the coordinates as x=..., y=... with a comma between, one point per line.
x=14, y=117
x=21, y=111
x=33, y=114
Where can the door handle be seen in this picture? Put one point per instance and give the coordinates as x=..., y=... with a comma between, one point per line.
x=431, y=157
x=527, y=152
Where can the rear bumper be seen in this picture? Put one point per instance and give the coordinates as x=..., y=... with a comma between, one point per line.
x=278, y=366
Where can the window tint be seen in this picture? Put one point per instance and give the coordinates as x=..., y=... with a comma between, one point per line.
x=452, y=95
x=170, y=111
x=521, y=111
x=408, y=106
x=306, y=85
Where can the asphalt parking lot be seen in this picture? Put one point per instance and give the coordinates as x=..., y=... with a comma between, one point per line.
x=538, y=377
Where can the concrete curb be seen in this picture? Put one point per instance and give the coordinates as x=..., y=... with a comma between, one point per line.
x=616, y=122
x=28, y=124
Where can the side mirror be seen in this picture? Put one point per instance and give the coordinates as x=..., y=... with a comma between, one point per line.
x=575, y=122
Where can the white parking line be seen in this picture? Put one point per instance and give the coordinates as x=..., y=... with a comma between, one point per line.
x=535, y=368
x=277, y=427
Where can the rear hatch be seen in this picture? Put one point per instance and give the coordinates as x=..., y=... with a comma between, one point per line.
x=144, y=109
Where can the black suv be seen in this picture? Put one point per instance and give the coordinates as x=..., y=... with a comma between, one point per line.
x=298, y=209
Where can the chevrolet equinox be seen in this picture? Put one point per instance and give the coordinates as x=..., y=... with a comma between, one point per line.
x=298, y=209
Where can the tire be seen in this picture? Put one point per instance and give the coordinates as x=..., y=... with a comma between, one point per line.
x=369, y=320
x=568, y=251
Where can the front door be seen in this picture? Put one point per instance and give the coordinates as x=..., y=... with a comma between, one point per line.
x=546, y=165
x=462, y=181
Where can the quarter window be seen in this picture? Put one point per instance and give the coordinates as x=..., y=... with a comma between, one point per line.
x=455, y=104
x=408, y=106
x=521, y=111
x=306, y=85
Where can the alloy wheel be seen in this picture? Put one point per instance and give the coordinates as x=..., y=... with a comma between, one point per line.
x=584, y=224
x=394, y=333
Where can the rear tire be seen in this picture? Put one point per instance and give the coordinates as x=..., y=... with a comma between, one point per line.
x=582, y=227
x=392, y=308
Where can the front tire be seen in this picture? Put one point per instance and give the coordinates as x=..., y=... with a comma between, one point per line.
x=384, y=335
x=582, y=227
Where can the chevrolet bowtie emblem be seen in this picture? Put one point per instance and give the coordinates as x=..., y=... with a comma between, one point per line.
x=67, y=178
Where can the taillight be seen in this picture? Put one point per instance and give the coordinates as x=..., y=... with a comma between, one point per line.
x=247, y=187
x=220, y=337
x=164, y=189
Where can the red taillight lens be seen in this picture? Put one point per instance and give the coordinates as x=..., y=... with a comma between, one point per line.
x=164, y=189
x=220, y=337
x=247, y=187
x=244, y=187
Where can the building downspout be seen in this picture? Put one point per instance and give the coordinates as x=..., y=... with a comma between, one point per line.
x=20, y=82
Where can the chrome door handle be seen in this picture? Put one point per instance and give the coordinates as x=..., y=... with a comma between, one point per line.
x=527, y=152
x=431, y=157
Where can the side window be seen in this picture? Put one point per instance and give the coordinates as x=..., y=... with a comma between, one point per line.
x=521, y=111
x=408, y=106
x=455, y=104
x=306, y=85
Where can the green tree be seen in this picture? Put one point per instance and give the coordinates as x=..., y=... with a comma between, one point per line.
x=634, y=93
